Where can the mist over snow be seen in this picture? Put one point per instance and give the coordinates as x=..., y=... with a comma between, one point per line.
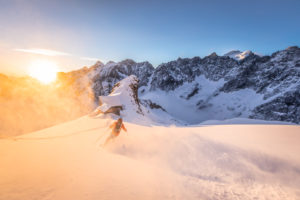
x=152, y=162
x=156, y=159
x=186, y=91
x=149, y=100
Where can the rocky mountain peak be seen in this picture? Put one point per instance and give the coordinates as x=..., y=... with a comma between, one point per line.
x=292, y=48
x=270, y=82
x=110, y=62
x=239, y=55
x=212, y=55
x=232, y=53
x=128, y=62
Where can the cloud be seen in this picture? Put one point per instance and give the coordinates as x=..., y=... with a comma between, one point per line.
x=46, y=52
x=89, y=59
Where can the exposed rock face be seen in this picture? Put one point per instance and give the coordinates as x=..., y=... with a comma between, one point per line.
x=282, y=108
x=134, y=86
x=170, y=75
x=151, y=105
x=101, y=78
x=276, y=77
x=124, y=95
x=105, y=77
x=213, y=87
x=112, y=110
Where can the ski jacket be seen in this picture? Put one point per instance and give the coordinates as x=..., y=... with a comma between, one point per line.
x=116, y=127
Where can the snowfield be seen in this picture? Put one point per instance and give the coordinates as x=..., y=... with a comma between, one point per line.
x=152, y=162
x=213, y=107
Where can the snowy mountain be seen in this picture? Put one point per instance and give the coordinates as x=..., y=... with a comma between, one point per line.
x=194, y=90
x=184, y=91
x=155, y=159
x=104, y=77
x=238, y=55
x=123, y=100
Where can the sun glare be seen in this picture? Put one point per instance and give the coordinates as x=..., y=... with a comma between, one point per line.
x=43, y=70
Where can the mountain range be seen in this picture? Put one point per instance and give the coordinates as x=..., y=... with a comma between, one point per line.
x=185, y=91
x=193, y=90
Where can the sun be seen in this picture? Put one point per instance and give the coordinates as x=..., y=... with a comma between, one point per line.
x=43, y=70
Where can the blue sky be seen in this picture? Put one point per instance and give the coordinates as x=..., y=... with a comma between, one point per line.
x=157, y=31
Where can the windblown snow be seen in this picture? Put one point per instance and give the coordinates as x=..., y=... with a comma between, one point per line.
x=173, y=161
x=152, y=162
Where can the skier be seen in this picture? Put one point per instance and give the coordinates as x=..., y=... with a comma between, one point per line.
x=116, y=129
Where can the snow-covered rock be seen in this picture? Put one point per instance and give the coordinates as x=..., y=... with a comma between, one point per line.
x=238, y=55
x=100, y=78
x=185, y=91
x=105, y=77
x=238, y=84
x=220, y=87
x=124, y=96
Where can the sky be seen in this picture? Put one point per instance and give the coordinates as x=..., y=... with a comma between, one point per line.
x=74, y=33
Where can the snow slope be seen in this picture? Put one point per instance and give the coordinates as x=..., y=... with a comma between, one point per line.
x=207, y=103
x=204, y=162
x=125, y=94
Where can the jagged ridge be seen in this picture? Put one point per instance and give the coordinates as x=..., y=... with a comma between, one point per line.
x=275, y=78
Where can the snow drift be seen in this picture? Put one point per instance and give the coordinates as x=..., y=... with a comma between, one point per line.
x=211, y=162
x=150, y=161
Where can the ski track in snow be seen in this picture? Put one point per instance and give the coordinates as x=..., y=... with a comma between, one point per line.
x=212, y=162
